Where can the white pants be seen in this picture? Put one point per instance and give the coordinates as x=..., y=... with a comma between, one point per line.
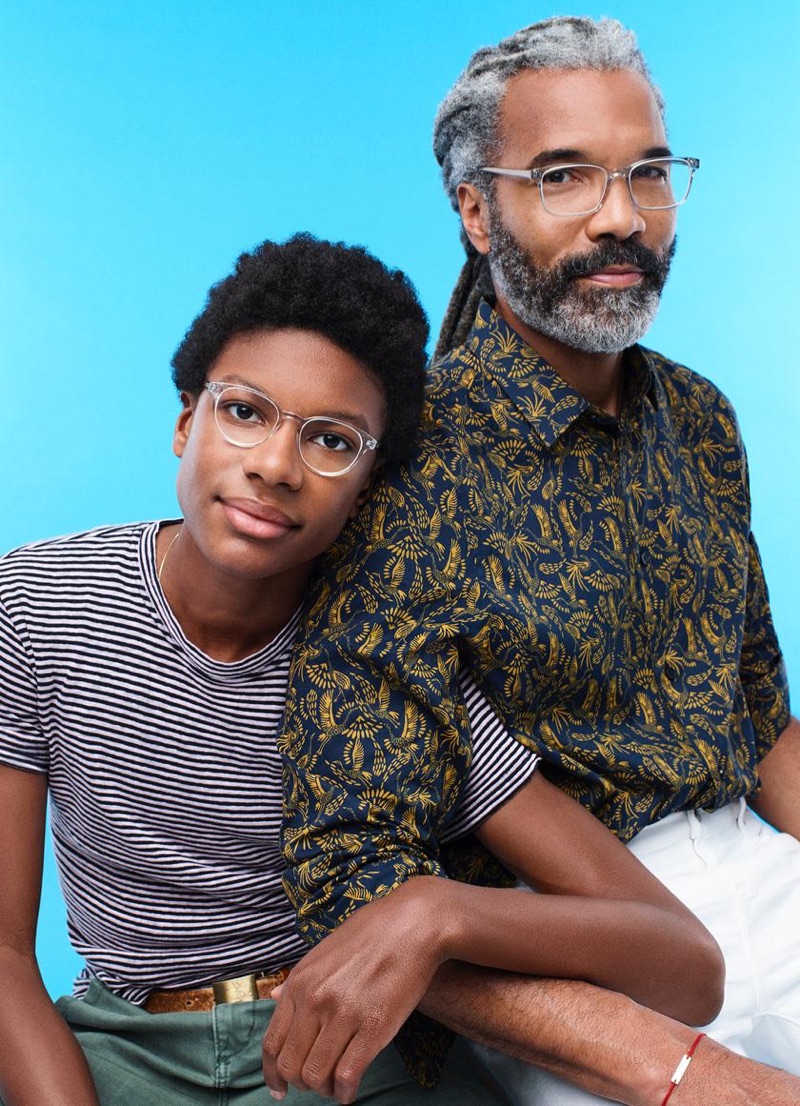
x=743, y=881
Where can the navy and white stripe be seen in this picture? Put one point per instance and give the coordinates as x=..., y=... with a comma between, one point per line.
x=165, y=779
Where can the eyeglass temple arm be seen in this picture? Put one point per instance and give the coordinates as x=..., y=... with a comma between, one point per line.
x=522, y=174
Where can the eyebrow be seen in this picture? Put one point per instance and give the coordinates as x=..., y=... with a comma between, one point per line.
x=341, y=416
x=563, y=155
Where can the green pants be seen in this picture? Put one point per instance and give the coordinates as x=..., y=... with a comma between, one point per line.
x=214, y=1059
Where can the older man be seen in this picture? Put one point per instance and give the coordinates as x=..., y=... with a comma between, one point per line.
x=576, y=528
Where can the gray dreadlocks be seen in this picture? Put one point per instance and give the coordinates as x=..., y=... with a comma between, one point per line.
x=465, y=130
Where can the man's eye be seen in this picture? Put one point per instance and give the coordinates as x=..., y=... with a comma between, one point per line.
x=241, y=412
x=653, y=174
x=561, y=176
x=331, y=441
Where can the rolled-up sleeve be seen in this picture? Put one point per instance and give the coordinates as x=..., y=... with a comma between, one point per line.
x=376, y=737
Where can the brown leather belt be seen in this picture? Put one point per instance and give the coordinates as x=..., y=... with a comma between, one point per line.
x=245, y=988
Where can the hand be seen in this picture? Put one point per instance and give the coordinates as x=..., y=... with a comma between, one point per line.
x=348, y=997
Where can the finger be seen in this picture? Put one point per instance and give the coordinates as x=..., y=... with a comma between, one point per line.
x=280, y=1025
x=271, y=1046
x=325, y=1055
x=287, y=1044
x=364, y=1046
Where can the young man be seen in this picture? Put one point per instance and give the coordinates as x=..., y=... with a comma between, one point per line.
x=143, y=671
x=575, y=527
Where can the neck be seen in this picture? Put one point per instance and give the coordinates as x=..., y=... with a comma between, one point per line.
x=595, y=376
x=227, y=616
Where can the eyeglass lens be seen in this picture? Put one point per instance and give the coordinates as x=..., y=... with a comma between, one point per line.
x=579, y=188
x=247, y=418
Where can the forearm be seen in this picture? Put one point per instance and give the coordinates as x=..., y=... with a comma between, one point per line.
x=600, y=1041
x=607, y=942
x=41, y=1063
x=777, y=801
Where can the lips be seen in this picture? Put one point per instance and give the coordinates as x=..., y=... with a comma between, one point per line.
x=617, y=263
x=255, y=519
x=616, y=276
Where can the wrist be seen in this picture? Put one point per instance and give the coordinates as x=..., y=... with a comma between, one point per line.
x=437, y=916
x=654, y=1077
x=682, y=1068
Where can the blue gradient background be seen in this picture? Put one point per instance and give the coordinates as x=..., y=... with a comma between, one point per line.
x=144, y=145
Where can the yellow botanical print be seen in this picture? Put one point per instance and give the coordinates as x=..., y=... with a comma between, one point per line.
x=599, y=577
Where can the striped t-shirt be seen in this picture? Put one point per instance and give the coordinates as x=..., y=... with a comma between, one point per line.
x=165, y=779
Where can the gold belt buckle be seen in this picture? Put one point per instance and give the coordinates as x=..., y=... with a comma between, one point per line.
x=241, y=989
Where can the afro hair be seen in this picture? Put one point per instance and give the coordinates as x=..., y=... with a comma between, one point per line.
x=341, y=292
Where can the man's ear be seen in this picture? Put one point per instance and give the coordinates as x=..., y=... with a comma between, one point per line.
x=474, y=215
x=365, y=490
x=183, y=424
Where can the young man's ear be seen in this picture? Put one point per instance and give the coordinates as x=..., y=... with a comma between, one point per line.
x=183, y=424
x=365, y=490
x=474, y=215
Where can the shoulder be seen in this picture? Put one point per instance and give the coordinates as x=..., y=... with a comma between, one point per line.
x=453, y=382
x=693, y=398
x=84, y=546
x=53, y=568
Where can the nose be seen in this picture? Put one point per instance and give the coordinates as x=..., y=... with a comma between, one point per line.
x=277, y=461
x=618, y=216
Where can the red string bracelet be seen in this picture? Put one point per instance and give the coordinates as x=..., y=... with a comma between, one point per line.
x=680, y=1071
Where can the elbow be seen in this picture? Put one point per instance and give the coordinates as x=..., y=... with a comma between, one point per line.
x=711, y=992
x=703, y=991
x=687, y=977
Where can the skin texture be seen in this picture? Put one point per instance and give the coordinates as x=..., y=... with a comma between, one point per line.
x=599, y=1040
x=234, y=577
x=780, y=782
x=231, y=590
x=545, y=119
x=348, y=997
x=43, y=1064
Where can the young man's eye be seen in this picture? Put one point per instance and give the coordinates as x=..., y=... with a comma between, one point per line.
x=241, y=412
x=330, y=440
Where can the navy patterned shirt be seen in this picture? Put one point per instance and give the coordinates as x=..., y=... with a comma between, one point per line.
x=599, y=576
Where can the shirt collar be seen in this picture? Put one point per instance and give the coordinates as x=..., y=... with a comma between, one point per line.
x=545, y=400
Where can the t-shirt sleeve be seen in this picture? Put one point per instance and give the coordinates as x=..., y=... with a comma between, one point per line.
x=500, y=766
x=22, y=742
x=762, y=668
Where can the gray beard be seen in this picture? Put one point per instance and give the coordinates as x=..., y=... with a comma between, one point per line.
x=595, y=320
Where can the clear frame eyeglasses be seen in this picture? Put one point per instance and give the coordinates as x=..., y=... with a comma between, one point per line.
x=246, y=417
x=654, y=184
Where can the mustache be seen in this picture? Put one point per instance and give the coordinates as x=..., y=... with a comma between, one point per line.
x=653, y=263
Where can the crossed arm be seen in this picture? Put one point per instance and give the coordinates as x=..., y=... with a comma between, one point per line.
x=599, y=1040
x=603, y=1041
x=601, y=918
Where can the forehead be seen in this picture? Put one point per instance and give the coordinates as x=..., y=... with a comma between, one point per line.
x=582, y=110
x=303, y=371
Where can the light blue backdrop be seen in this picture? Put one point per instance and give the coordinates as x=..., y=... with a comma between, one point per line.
x=145, y=144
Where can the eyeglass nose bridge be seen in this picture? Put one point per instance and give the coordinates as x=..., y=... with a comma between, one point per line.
x=297, y=439
x=616, y=174
x=282, y=416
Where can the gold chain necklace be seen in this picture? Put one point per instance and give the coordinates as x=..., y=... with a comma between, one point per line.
x=169, y=550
